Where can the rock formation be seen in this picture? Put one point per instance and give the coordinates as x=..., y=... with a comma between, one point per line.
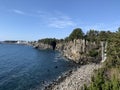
x=76, y=50
x=40, y=45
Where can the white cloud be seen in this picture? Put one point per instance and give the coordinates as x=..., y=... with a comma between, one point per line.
x=60, y=22
x=32, y=14
x=56, y=19
x=51, y=19
x=18, y=11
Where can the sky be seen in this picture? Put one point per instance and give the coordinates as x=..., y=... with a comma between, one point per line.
x=37, y=19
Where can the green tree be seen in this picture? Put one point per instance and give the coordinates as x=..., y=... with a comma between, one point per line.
x=92, y=35
x=47, y=40
x=107, y=77
x=76, y=34
x=119, y=29
x=113, y=50
x=104, y=35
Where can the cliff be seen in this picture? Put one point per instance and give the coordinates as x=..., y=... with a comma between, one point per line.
x=40, y=45
x=78, y=50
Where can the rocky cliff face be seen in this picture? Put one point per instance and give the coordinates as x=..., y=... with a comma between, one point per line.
x=77, y=50
x=41, y=45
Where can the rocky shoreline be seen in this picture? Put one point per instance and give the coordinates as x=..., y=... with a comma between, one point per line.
x=74, y=79
x=77, y=51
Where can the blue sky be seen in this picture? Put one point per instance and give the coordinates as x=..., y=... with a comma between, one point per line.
x=36, y=19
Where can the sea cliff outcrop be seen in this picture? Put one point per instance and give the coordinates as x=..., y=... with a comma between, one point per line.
x=77, y=50
x=41, y=46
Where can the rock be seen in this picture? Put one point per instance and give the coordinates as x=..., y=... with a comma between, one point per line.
x=74, y=79
x=48, y=70
x=56, y=66
x=77, y=50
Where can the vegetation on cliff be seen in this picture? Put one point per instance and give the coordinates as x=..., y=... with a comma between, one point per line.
x=108, y=77
x=76, y=34
x=79, y=46
x=91, y=35
x=47, y=40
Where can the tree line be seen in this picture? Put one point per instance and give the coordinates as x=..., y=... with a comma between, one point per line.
x=77, y=33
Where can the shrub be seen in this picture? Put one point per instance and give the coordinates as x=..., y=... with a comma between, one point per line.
x=93, y=53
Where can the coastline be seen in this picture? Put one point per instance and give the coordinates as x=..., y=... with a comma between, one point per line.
x=76, y=51
x=74, y=79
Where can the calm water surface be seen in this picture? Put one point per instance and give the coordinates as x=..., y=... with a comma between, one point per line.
x=25, y=68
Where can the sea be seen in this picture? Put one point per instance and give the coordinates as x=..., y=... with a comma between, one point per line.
x=23, y=67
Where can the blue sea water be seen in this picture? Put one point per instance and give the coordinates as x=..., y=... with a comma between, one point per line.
x=25, y=68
